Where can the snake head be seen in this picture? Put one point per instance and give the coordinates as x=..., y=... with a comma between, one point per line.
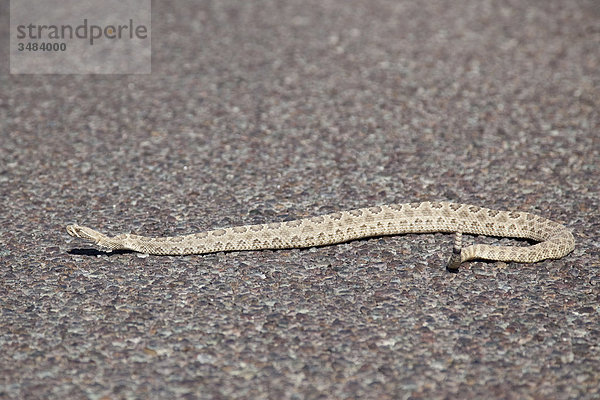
x=83, y=232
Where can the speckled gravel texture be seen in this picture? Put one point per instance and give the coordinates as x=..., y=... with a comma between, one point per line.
x=261, y=111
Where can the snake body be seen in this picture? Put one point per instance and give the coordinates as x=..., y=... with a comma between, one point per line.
x=555, y=240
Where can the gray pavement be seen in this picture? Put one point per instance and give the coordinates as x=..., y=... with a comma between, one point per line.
x=264, y=111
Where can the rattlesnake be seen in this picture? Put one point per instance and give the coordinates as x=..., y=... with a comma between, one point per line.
x=555, y=239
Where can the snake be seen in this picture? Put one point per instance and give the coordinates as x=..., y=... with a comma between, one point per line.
x=553, y=240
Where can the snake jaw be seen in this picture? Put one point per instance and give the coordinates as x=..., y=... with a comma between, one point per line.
x=83, y=232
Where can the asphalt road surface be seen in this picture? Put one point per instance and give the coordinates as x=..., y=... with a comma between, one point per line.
x=269, y=110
